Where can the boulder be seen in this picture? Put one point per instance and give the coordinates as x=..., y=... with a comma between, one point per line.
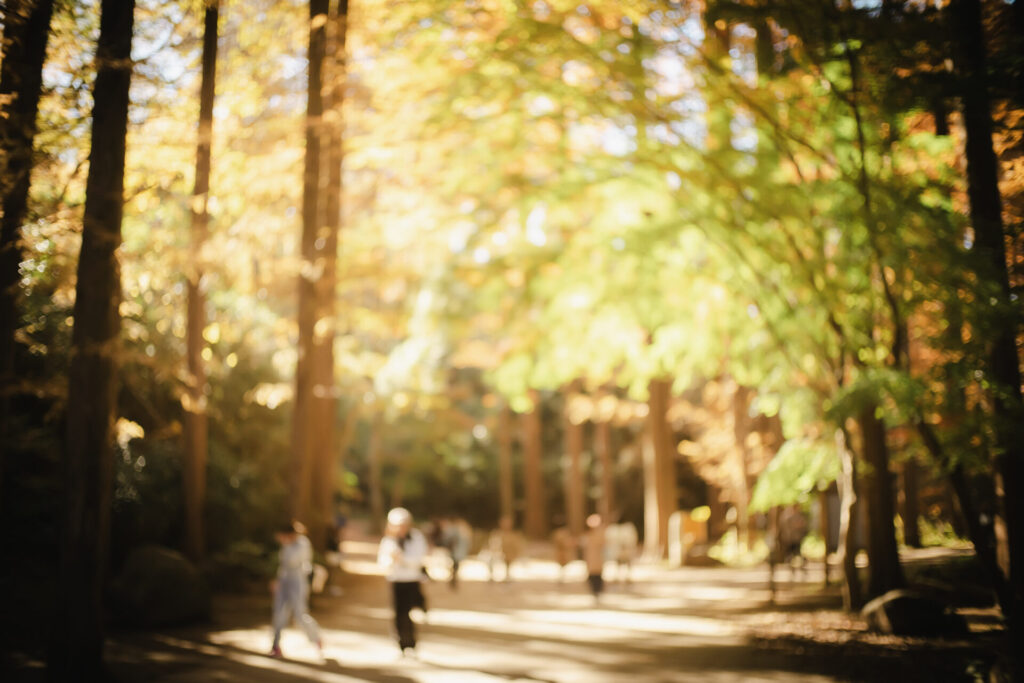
x=159, y=587
x=908, y=613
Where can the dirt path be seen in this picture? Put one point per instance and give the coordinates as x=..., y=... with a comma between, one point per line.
x=693, y=624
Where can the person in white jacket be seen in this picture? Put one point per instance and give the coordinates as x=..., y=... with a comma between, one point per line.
x=291, y=587
x=401, y=554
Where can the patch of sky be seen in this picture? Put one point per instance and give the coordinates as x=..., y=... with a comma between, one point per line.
x=458, y=237
x=744, y=135
x=482, y=255
x=618, y=141
x=535, y=234
x=618, y=244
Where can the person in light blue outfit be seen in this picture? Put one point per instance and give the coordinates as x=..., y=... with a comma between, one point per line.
x=291, y=587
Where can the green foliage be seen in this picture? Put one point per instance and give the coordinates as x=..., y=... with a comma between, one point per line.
x=801, y=467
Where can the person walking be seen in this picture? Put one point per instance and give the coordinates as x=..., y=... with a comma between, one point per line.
x=401, y=554
x=593, y=554
x=291, y=587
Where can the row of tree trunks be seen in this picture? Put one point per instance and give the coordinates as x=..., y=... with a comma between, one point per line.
x=26, y=32
x=195, y=413
x=77, y=646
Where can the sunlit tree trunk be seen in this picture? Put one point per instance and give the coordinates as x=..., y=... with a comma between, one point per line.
x=603, y=445
x=741, y=429
x=848, y=512
x=324, y=404
x=505, y=481
x=573, y=473
x=535, y=511
x=25, y=33
x=77, y=632
x=989, y=241
x=659, y=470
x=302, y=423
x=195, y=422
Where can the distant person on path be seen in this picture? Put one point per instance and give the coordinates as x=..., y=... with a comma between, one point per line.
x=291, y=587
x=593, y=554
x=401, y=553
x=565, y=549
x=507, y=544
x=792, y=530
x=622, y=546
x=456, y=535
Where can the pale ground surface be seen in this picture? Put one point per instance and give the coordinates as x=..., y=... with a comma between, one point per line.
x=690, y=624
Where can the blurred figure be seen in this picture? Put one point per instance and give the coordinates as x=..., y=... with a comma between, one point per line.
x=594, y=554
x=291, y=587
x=622, y=547
x=566, y=548
x=401, y=553
x=505, y=544
x=456, y=536
x=792, y=530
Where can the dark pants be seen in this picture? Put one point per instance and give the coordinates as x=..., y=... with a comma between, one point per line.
x=405, y=596
x=596, y=582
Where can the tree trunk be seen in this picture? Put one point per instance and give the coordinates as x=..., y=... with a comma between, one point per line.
x=25, y=34
x=77, y=652
x=603, y=445
x=982, y=535
x=573, y=474
x=323, y=449
x=505, y=483
x=741, y=429
x=989, y=241
x=883, y=556
x=376, y=487
x=910, y=509
x=535, y=513
x=302, y=417
x=852, y=598
x=195, y=423
x=659, y=470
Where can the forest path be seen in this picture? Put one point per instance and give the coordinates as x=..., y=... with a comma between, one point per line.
x=689, y=624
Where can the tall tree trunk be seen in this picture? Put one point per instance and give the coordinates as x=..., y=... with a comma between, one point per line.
x=848, y=513
x=741, y=429
x=302, y=422
x=535, y=512
x=885, y=572
x=25, y=34
x=77, y=652
x=375, y=484
x=323, y=448
x=195, y=426
x=989, y=241
x=505, y=483
x=604, y=446
x=659, y=471
x=910, y=510
x=573, y=474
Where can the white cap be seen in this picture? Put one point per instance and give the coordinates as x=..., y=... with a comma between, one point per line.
x=399, y=516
